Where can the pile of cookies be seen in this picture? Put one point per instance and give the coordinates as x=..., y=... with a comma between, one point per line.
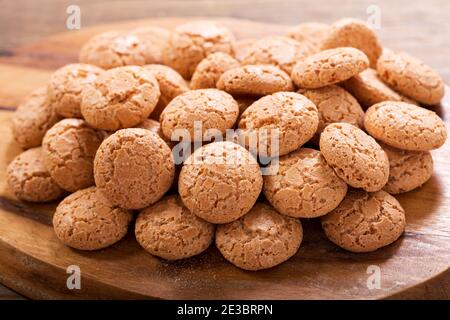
x=352, y=129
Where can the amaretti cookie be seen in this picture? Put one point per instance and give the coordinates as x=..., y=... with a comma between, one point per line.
x=153, y=40
x=329, y=67
x=257, y=80
x=355, y=156
x=134, y=168
x=408, y=170
x=65, y=85
x=210, y=69
x=411, y=77
x=191, y=42
x=169, y=230
x=261, y=239
x=120, y=98
x=32, y=118
x=304, y=185
x=29, y=179
x=365, y=222
x=310, y=32
x=241, y=48
x=405, y=126
x=220, y=182
x=86, y=220
x=289, y=115
x=69, y=149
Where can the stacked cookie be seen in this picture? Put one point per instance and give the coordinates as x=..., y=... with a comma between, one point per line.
x=345, y=114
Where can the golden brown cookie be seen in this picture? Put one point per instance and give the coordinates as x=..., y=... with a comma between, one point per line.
x=405, y=126
x=355, y=156
x=411, y=77
x=69, y=149
x=365, y=222
x=261, y=239
x=294, y=117
x=256, y=80
x=408, y=170
x=220, y=182
x=329, y=67
x=120, y=98
x=32, y=118
x=86, y=220
x=169, y=230
x=212, y=108
x=304, y=186
x=134, y=168
x=29, y=179
x=210, y=69
x=191, y=42
x=153, y=41
x=310, y=32
x=241, y=48
x=354, y=33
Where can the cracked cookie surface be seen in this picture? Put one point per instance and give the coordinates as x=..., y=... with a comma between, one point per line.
x=210, y=69
x=312, y=33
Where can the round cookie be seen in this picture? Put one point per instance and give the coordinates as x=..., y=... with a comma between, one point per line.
x=256, y=80
x=329, y=67
x=354, y=33
x=134, y=168
x=169, y=230
x=69, y=149
x=355, y=156
x=65, y=85
x=220, y=182
x=32, y=118
x=86, y=220
x=405, y=126
x=334, y=105
x=295, y=117
x=408, y=170
x=29, y=179
x=210, y=69
x=242, y=47
x=191, y=42
x=411, y=77
x=305, y=186
x=261, y=239
x=171, y=84
x=120, y=98
x=282, y=52
x=312, y=33
x=153, y=41
x=213, y=108
x=365, y=222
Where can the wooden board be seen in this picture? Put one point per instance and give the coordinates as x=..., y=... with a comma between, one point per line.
x=33, y=262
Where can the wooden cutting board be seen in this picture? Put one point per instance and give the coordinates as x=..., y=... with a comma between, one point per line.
x=33, y=262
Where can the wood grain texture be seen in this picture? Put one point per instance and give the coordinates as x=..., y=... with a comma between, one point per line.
x=33, y=262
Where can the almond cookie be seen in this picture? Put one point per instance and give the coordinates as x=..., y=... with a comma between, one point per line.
x=69, y=149
x=153, y=40
x=365, y=222
x=191, y=42
x=120, y=98
x=29, y=179
x=241, y=48
x=408, y=170
x=86, y=220
x=334, y=105
x=210, y=69
x=355, y=156
x=329, y=67
x=405, y=126
x=220, y=182
x=32, y=118
x=305, y=186
x=261, y=239
x=212, y=108
x=256, y=80
x=169, y=230
x=134, y=168
x=171, y=84
x=310, y=32
x=353, y=33
x=65, y=85
x=282, y=52
x=293, y=116
x=411, y=77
